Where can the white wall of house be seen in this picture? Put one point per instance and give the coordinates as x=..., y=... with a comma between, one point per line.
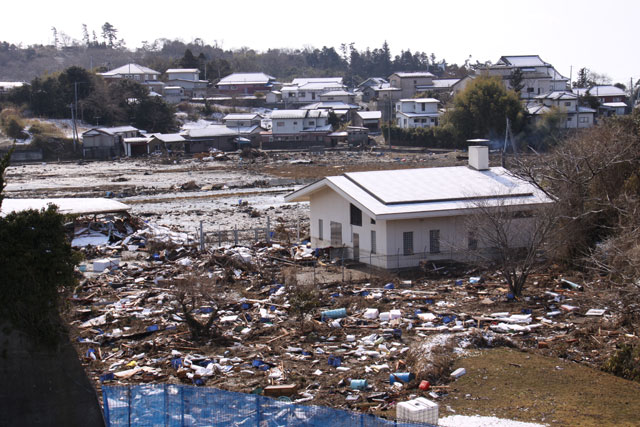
x=289, y=126
x=184, y=75
x=452, y=244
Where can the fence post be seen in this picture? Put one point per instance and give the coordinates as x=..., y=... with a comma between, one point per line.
x=255, y=233
x=219, y=237
x=201, y=237
x=398, y=260
x=268, y=229
x=235, y=234
x=315, y=261
x=342, y=254
x=298, y=231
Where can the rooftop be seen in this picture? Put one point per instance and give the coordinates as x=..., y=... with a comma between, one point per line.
x=67, y=206
x=370, y=115
x=403, y=74
x=601, y=90
x=397, y=194
x=246, y=78
x=129, y=69
x=182, y=70
x=522, y=61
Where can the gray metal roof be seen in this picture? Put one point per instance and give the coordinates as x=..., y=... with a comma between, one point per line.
x=601, y=90
x=403, y=74
x=369, y=115
x=398, y=194
x=246, y=78
x=130, y=69
x=182, y=70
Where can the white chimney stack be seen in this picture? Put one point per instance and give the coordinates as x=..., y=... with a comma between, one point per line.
x=479, y=157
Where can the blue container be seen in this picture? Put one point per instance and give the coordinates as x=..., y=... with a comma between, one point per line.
x=429, y=301
x=152, y=328
x=358, y=384
x=459, y=282
x=334, y=361
x=334, y=314
x=176, y=363
x=403, y=377
x=107, y=377
x=389, y=286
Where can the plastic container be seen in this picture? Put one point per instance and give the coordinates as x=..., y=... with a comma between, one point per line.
x=424, y=385
x=334, y=314
x=403, y=377
x=334, y=361
x=418, y=410
x=358, y=384
x=371, y=313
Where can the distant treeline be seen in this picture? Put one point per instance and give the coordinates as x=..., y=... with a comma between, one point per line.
x=26, y=63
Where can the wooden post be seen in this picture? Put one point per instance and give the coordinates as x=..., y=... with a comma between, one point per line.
x=201, y=237
x=268, y=229
x=235, y=235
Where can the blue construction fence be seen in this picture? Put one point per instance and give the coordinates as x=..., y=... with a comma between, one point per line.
x=181, y=405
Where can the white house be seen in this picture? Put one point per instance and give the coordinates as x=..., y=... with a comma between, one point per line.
x=417, y=113
x=308, y=90
x=189, y=80
x=539, y=77
x=135, y=72
x=397, y=218
x=567, y=102
x=296, y=122
x=234, y=120
x=410, y=83
x=173, y=94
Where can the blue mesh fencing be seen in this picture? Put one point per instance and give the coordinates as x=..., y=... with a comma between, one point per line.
x=168, y=405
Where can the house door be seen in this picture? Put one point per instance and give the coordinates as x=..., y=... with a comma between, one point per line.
x=356, y=247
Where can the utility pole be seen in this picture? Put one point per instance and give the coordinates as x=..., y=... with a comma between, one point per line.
x=75, y=114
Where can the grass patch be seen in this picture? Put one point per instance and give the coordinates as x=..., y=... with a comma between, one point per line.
x=510, y=384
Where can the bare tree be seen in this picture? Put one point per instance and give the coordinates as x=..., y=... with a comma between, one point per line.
x=195, y=302
x=512, y=236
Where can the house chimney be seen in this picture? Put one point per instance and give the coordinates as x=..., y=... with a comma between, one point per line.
x=479, y=157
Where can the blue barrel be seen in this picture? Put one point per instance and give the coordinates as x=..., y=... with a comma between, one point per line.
x=334, y=314
x=358, y=384
x=403, y=377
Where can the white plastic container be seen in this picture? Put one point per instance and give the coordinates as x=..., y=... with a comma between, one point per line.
x=99, y=265
x=418, y=410
x=371, y=313
x=395, y=314
x=385, y=316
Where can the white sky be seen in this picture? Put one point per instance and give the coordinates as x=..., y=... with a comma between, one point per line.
x=599, y=35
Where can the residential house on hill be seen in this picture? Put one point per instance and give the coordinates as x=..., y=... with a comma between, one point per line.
x=308, y=90
x=106, y=142
x=367, y=87
x=189, y=80
x=135, y=72
x=246, y=83
x=411, y=83
x=398, y=218
x=539, y=77
x=296, y=128
x=368, y=119
x=612, y=99
x=567, y=102
x=417, y=113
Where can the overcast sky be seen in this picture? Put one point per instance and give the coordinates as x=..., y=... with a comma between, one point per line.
x=599, y=35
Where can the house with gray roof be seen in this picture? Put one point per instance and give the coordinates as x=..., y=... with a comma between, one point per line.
x=400, y=218
x=246, y=84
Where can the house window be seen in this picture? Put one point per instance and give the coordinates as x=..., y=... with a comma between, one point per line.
x=423, y=106
x=434, y=241
x=291, y=94
x=472, y=241
x=313, y=95
x=280, y=124
x=407, y=243
x=295, y=123
x=312, y=123
x=301, y=94
x=569, y=119
x=336, y=233
x=374, y=247
x=320, y=228
x=355, y=215
x=373, y=221
x=584, y=119
x=567, y=103
x=529, y=90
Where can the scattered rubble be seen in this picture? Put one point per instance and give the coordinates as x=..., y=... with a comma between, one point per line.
x=366, y=344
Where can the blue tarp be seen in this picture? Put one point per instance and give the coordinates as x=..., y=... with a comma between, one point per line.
x=179, y=405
